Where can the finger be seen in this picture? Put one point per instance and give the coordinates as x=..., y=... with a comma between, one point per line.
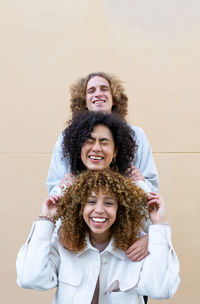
x=51, y=201
x=152, y=194
x=157, y=199
x=130, y=249
x=60, y=185
x=57, y=197
x=135, y=250
x=127, y=172
x=68, y=179
x=137, y=256
x=142, y=257
x=130, y=169
x=154, y=202
x=71, y=175
x=68, y=182
x=135, y=178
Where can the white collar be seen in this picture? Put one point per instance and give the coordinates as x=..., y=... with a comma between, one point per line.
x=120, y=254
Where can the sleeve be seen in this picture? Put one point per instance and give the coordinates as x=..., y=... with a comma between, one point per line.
x=144, y=159
x=159, y=278
x=146, y=189
x=57, y=169
x=38, y=259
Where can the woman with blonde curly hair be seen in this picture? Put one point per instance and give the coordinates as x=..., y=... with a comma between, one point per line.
x=102, y=213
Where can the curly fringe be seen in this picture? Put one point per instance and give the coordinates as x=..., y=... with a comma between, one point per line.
x=131, y=213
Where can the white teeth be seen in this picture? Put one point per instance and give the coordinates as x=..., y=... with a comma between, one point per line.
x=98, y=220
x=96, y=157
x=99, y=101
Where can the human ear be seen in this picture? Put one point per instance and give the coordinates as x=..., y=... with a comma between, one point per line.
x=115, y=152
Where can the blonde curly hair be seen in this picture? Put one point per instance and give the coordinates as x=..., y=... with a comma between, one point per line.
x=78, y=94
x=131, y=213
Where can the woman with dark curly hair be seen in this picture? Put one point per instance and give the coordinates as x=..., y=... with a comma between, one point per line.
x=102, y=213
x=95, y=140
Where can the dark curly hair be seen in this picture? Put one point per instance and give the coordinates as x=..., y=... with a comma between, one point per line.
x=79, y=130
x=131, y=213
x=78, y=94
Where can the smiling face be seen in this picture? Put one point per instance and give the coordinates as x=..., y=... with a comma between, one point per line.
x=99, y=149
x=99, y=214
x=98, y=95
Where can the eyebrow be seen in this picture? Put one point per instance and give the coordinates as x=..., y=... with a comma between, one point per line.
x=101, y=138
x=101, y=86
x=107, y=197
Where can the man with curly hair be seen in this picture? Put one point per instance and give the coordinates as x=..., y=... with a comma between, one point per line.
x=103, y=92
x=102, y=213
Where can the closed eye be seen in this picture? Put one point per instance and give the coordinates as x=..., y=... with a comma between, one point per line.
x=91, y=202
x=91, y=90
x=89, y=140
x=104, y=88
x=109, y=203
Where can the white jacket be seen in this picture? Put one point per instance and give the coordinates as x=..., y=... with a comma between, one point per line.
x=42, y=264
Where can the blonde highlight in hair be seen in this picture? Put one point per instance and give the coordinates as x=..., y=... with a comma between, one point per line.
x=131, y=213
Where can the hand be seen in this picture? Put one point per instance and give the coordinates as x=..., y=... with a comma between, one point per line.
x=157, y=212
x=134, y=174
x=67, y=180
x=49, y=207
x=139, y=250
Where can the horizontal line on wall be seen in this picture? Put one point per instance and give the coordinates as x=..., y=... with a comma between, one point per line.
x=176, y=152
x=49, y=154
x=16, y=154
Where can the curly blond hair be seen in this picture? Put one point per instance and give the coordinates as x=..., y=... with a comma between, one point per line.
x=131, y=213
x=78, y=94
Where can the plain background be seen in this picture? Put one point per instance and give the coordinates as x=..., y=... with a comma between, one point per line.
x=154, y=47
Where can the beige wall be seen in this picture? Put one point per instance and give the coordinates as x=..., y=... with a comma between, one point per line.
x=154, y=47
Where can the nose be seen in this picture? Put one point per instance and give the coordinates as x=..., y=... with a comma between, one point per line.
x=98, y=92
x=96, y=147
x=99, y=208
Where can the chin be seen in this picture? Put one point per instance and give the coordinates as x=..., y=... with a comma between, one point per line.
x=95, y=168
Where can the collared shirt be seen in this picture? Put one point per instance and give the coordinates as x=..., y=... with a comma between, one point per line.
x=43, y=263
x=143, y=160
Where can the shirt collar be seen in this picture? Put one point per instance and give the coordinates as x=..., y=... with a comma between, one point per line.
x=120, y=254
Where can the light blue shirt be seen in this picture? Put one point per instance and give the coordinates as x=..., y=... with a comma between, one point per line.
x=143, y=160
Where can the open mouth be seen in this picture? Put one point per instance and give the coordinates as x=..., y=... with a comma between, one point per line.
x=96, y=157
x=98, y=219
x=98, y=101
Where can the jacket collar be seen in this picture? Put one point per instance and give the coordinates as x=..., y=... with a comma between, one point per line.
x=109, y=249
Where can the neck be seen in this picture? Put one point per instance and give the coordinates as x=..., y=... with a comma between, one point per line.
x=99, y=241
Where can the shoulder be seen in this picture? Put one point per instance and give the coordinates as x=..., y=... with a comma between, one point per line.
x=137, y=130
x=59, y=141
x=139, y=133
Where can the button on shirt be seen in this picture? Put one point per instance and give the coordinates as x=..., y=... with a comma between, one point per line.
x=43, y=263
